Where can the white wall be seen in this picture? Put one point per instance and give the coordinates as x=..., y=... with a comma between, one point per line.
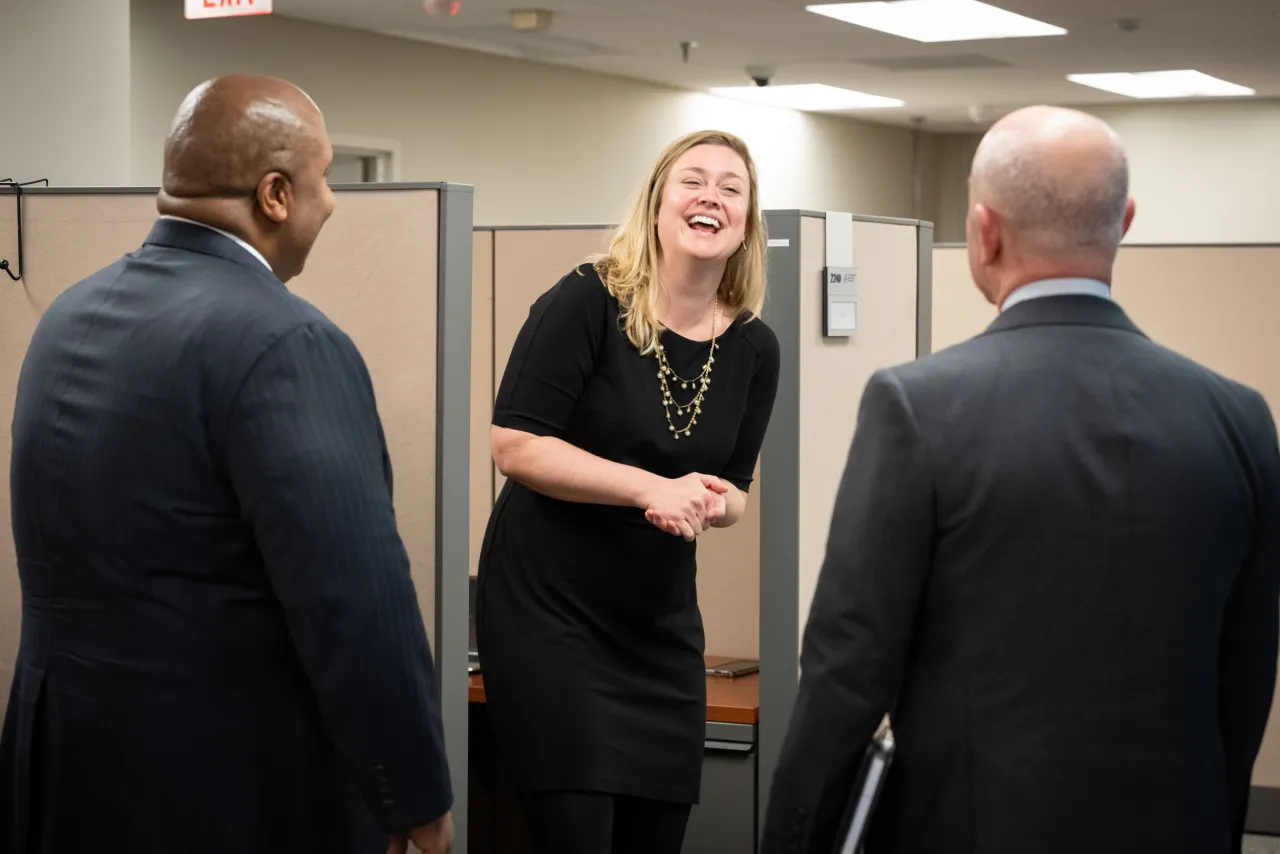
x=541, y=144
x=1203, y=173
x=1200, y=173
x=64, y=85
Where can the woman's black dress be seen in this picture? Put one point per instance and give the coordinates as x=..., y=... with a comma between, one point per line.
x=587, y=619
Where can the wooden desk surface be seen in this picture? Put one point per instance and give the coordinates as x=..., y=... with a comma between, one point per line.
x=729, y=701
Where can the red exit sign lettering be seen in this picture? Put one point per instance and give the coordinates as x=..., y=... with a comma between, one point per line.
x=197, y=9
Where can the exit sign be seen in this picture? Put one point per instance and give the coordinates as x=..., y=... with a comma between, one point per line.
x=197, y=9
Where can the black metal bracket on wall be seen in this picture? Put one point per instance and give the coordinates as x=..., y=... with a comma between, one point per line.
x=16, y=187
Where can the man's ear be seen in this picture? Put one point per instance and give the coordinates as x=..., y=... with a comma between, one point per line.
x=988, y=226
x=274, y=196
x=1129, y=210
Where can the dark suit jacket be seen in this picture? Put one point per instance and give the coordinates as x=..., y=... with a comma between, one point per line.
x=221, y=644
x=1055, y=560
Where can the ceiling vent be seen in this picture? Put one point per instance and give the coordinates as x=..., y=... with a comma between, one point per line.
x=951, y=62
x=505, y=41
x=532, y=44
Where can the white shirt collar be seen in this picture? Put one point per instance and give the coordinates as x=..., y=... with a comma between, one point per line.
x=243, y=243
x=1057, y=288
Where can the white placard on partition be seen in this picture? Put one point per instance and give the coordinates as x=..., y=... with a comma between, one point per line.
x=839, y=239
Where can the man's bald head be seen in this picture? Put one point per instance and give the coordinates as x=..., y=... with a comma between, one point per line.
x=250, y=155
x=1049, y=198
x=1058, y=178
x=230, y=132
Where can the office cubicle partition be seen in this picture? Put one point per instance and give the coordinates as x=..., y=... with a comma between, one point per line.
x=1215, y=304
x=960, y=311
x=817, y=407
x=512, y=267
x=393, y=269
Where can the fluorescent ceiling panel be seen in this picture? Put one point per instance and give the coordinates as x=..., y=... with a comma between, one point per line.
x=807, y=96
x=938, y=20
x=1162, y=84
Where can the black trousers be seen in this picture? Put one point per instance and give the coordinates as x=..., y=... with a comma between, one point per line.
x=598, y=823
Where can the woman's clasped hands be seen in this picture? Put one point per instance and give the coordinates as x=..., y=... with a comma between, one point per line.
x=686, y=506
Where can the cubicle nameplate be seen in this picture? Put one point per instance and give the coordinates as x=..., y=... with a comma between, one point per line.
x=839, y=301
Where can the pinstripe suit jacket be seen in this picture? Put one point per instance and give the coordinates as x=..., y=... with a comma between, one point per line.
x=221, y=645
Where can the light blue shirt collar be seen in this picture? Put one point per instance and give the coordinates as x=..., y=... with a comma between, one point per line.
x=1057, y=288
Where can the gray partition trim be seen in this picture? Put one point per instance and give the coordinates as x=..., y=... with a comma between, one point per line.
x=453, y=478
x=82, y=191
x=566, y=227
x=779, y=503
x=924, y=290
x=142, y=191
x=495, y=377
x=442, y=186
x=1260, y=245
x=1264, y=811
x=882, y=220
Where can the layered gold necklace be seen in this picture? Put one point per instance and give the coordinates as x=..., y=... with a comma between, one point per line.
x=669, y=378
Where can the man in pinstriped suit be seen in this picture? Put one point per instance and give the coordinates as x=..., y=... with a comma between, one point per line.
x=221, y=645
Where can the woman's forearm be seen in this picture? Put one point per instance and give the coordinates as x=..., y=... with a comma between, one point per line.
x=560, y=470
x=735, y=504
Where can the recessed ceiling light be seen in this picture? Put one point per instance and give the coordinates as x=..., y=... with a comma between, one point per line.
x=1162, y=84
x=807, y=96
x=938, y=20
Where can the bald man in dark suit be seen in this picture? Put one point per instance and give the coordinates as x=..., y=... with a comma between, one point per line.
x=221, y=651
x=1054, y=559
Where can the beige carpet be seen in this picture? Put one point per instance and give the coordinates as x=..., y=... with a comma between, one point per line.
x=1261, y=845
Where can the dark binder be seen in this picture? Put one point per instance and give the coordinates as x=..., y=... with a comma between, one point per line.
x=866, y=792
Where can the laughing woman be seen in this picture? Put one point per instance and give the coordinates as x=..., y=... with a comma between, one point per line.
x=628, y=422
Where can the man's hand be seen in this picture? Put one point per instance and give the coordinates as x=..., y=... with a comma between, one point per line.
x=434, y=838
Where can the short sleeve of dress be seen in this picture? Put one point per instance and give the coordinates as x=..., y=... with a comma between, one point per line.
x=741, y=466
x=554, y=356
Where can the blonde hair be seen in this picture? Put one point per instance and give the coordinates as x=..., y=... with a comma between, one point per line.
x=629, y=269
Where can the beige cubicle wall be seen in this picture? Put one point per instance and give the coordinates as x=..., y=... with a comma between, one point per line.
x=1212, y=303
x=833, y=371
x=510, y=268
x=527, y=262
x=819, y=392
x=65, y=238
x=1215, y=304
x=375, y=271
x=960, y=311
x=515, y=266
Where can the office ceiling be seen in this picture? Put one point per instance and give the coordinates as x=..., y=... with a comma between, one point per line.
x=952, y=86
